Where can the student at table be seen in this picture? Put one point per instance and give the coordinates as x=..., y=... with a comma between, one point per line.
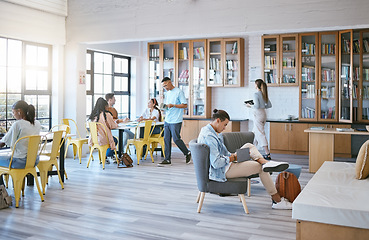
x=25, y=125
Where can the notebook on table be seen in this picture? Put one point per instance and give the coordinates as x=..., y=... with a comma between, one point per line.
x=243, y=154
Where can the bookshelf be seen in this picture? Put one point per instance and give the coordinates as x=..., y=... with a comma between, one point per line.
x=183, y=67
x=154, y=54
x=309, y=69
x=225, y=61
x=279, y=54
x=327, y=77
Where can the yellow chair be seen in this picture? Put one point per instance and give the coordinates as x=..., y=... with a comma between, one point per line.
x=76, y=141
x=18, y=175
x=46, y=149
x=48, y=161
x=95, y=143
x=139, y=143
x=156, y=139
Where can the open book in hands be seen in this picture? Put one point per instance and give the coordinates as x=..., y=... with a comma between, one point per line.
x=163, y=106
x=251, y=102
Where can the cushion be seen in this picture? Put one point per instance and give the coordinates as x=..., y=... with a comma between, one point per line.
x=362, y=162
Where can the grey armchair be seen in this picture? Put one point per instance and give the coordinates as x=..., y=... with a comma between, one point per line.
x=200, y=156
x=234, y=141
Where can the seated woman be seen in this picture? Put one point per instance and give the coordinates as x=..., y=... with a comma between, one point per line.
x=25, y=125
x=152, y=112
x=223, y=164
x=101, y=114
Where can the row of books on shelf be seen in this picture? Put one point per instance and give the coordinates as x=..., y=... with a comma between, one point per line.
x=328, y=48
x=308, y=91
x=288, y=62
x=356, y=46
x=330, y=114
x=234, y=48
x=270, y=47
x=215, y=63
x=198, y=53
x=328, y=75
x=346, y=45
x=345, y=72
x=154, y=52
x=198, y=74
x=328, y=92
x=270, y=77
x=270, y=61
x=365, y=92
x=183, y=53
x=307, y=112
x=215, y=77
x=365, y=73
x=365, y=114
x=232, y=65
x=288, y=78
x=183, y=77
x=307, y=74
x=308, y=49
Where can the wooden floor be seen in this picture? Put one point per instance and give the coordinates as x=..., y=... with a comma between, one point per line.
x=144, y=202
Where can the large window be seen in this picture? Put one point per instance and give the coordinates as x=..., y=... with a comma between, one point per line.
x=108, y=73
x=25, y=74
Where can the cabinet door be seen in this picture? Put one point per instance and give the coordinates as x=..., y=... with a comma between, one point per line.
x=190, y=130
x=215, y=69
x=342, y=143
x=279, y=136
x=363, y=78
x=308, y=70
x=199, y=92
x=328, y=78
x=155, y=88
x=169, y=61
x=183, y=66
x=298, y=139
x=233, y=65
x=289, y=55
x=270, y=67
x=345, y=79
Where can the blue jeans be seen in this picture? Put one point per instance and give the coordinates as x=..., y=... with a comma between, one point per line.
x=109, y=152
x=18, y=163
x=173, y=130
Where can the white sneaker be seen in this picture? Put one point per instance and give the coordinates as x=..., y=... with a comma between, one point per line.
x=283, y=204
x=273, y=166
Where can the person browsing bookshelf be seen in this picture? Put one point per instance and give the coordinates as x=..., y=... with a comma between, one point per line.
x=175, y=101
x=261, y=102
x=223, y=164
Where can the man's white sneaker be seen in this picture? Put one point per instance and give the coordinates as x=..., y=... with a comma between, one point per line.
x=273, y=166
x=283, y=204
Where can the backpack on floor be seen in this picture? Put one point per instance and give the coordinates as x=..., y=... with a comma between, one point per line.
x=5, y=199
x=288, y=186
x=126, y=160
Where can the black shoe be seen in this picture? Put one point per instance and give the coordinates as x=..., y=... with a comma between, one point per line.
x=188, y=158
x=267, y=157
x=164, y=162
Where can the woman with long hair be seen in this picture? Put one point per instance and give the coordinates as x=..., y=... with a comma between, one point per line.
x=152, y=111
x=25, y=125
x=101, y=114
x=261, y=102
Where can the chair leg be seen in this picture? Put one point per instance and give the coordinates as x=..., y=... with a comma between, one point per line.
x=80, y=153
x=43, y=177
x=38, y=186
x=17, y=183
x=102, y=158
x=6, y=180
x=138, y=153
x=74, y=151
x=89, y=159
x=242, y=197
x=65, y=174
x=248, y=187
x=201, y=201
x=66, y=149
x=57, y=170
x=198, y=197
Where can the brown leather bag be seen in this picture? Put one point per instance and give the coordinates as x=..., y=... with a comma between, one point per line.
x=126, y=160
x=288, y=186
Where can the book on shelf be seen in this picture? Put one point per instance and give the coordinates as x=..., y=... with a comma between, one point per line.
x=234, y=48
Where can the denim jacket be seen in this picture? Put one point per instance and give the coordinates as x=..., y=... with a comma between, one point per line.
x=219, y=155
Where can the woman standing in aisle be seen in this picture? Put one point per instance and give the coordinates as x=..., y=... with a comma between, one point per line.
x=261, y=102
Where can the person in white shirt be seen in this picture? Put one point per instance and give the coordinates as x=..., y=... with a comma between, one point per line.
x=25, y=125
x=152, y=111
x=261, y=102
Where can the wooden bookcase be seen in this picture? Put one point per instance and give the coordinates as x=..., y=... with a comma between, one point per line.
x=279, y=59
x=225, y=61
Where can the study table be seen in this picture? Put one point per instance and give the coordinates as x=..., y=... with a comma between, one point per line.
x=321, y=145
x=122, y=126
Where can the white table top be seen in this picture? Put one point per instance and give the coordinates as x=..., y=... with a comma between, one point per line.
x=134, y=124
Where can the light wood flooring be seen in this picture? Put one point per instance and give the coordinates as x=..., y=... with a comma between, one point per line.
x=144, y=202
